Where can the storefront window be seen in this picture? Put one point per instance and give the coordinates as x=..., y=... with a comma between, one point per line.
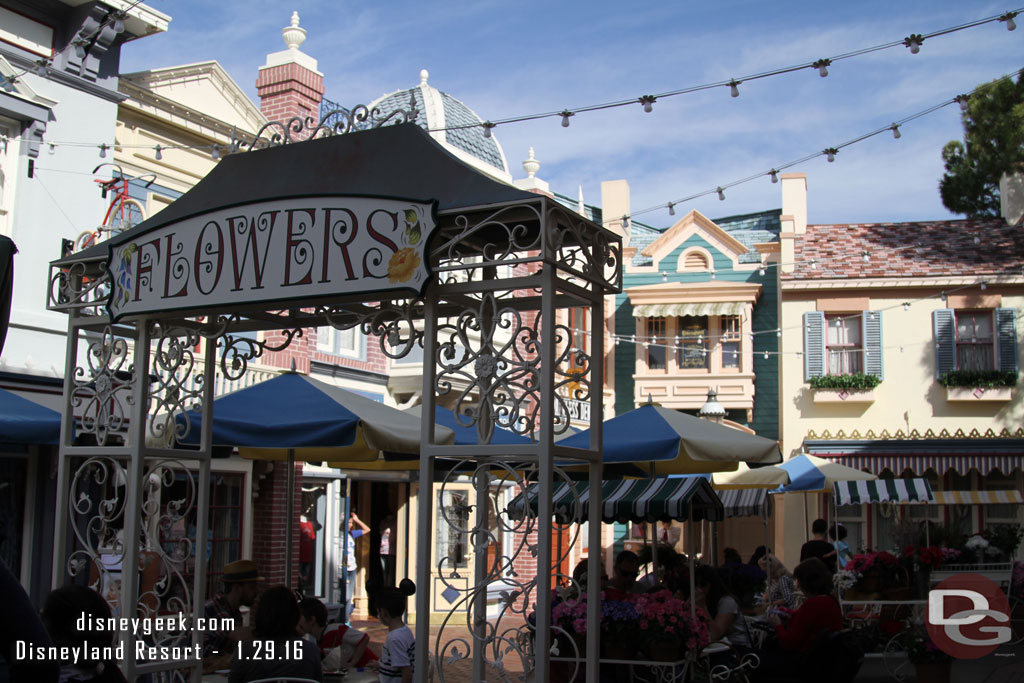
x=452, y=528
x=693, y=342
x=655, y=344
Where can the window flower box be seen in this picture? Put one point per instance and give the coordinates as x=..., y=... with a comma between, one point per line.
x=979, y=393
x=844, y=395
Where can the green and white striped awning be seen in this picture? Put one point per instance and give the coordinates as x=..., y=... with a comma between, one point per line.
x=746, y=502
x=671, y=310
x=635, y=500
x=884, y=490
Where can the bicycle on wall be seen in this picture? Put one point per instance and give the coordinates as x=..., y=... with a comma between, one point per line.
x=123, y=213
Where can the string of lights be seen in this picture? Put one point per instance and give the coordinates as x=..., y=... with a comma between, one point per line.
x=821, y=65
x=829, y=153
x=661, y=340
x=914, y=42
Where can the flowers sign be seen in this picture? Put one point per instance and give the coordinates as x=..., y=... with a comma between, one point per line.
x=279, y=250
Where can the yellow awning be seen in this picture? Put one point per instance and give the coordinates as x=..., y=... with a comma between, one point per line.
x=977, y=497
x=672, y=310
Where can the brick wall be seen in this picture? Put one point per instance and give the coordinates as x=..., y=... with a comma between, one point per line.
x=270, y=524
x=289, y=90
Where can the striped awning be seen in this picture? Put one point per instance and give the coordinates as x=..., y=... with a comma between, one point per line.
x=746, y=502
x=883, y=490
x=978, y=497
x=636, y=500
x=671, y=310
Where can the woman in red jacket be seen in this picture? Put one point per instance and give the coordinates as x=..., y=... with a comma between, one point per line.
x=820, y=611
x=795, y=638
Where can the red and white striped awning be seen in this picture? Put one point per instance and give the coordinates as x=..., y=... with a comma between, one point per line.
x=918, y=463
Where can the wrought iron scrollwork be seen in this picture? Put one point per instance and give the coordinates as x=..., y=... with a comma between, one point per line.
x=177, y=387
x=593, y=255
x=102, y=396
x=395, y=324
x=495, y=356
x=238, y=351
x=301, y=128
x=505, y=633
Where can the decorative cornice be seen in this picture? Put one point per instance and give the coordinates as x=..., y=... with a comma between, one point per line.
x=697, y=222
x=914, y=435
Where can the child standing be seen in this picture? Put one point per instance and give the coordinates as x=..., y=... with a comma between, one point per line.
x=397, y=657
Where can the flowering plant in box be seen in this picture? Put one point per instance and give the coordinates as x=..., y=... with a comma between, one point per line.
x=661, y=615
x=881, y=562
x=950, y=554
x=925, y=556
x=618, y=617
x=570, y=615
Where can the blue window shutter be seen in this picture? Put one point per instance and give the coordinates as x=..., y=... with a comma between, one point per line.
x=814, y=344
x=944, y=324
x=871, y=323
x=1006, y=326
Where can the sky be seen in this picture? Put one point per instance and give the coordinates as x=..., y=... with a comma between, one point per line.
x=506, y=59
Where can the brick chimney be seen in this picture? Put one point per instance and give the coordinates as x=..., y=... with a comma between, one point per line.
x=289, y=84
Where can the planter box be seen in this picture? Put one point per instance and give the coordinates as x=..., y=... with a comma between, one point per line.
x=979, y=394
x=844, y=395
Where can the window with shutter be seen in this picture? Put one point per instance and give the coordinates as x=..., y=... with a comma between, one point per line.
x=871, y=323
x=1006, y=329
x=844, y=344
x=944, y=326
x=814, y=344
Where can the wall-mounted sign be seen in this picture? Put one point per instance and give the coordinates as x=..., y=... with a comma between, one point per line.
x=576, y=411
x=297, y=249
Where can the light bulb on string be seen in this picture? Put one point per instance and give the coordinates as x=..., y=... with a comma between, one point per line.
x=103, y=151
x=774, y=175
x=565, y=114
x=79, y=49
x=914, y=42
x=41, y=68
x=977, y=239
x=963, y=101
x=721, y=194
x=53, y=149
x=734, y=89
x=866, y=256
x=712, y=275
x=625, y=222
x=118, y=24
x=766, y=355
x=159, y=153
x=895, y=132
x=487, y=128
x=822, y=66
x=648, y=102
x=906, y=305
x=671, y=209
x=215, y=153
x=761, y=271
x=984, y=286
x=830, y=154
x=1008, y=18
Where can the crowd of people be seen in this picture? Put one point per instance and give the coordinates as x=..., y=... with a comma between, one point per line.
x=287, y=635
x=786, y=620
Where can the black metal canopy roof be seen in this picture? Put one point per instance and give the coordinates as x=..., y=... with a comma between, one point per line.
x=400, y=161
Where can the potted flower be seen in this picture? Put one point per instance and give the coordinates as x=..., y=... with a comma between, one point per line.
x=978, y=545
x=569, y=624
x=978, y=385
x=666, y=627
x=619, y=622
x=1004, y=538
x=874, y=570
x=854, y=387
x=931, y=663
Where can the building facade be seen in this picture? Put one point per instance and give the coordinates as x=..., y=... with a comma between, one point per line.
x=924, y=316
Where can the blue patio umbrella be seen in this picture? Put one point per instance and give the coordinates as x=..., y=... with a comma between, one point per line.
x=313, y=420
x=676, y=443
x=23, y=421
x=466, y=431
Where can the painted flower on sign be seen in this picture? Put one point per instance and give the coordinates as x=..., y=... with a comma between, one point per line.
x=402, y=265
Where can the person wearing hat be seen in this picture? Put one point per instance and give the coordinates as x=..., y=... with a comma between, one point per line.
x=241, y=586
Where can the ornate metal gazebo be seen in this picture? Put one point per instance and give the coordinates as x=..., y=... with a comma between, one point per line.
x=360, y=225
